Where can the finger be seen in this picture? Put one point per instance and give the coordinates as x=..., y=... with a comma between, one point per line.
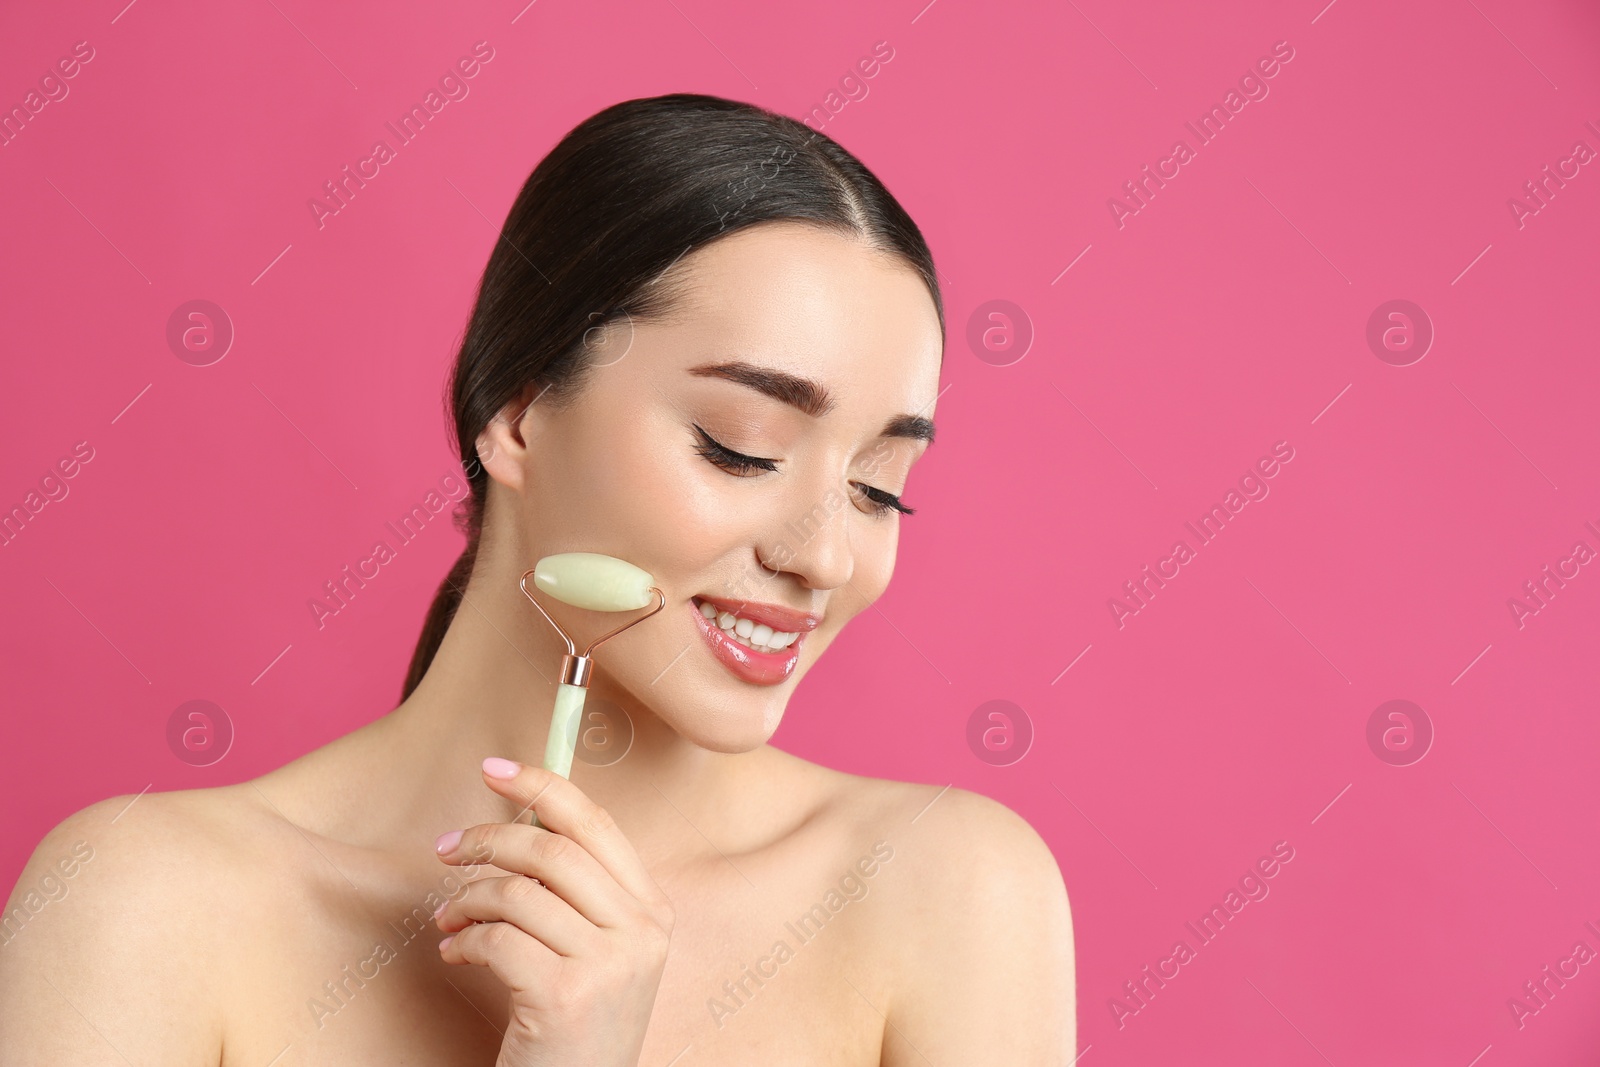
x=527, y=905
x=560, y=863
x=564, y=808
x=519, y=961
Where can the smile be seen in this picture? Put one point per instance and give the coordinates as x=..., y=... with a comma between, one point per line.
x=757, y=643
x=756, y=635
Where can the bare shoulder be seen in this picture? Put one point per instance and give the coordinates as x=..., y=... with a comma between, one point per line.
x=107, y=930
x=980, y=922
x=958, y=843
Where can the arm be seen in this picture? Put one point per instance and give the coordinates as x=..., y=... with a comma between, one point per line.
x=991, y=980
x=95, y=965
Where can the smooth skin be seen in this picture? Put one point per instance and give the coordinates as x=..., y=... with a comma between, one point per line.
x=707, y=899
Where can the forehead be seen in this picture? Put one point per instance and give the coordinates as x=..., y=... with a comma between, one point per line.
x=813, y=302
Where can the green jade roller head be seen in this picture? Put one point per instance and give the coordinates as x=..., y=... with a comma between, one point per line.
x=598, y=583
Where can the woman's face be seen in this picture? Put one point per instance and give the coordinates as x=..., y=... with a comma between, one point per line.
x=797, y=348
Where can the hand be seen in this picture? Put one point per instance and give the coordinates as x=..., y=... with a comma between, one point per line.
x=581, y=953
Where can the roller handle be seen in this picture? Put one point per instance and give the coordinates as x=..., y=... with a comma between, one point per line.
x=562, y=741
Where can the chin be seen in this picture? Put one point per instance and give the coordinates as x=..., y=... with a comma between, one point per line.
x=729, y=743
x=727, y=724
x=720, y=693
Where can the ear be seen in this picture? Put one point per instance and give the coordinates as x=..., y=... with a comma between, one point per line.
x=504, y=443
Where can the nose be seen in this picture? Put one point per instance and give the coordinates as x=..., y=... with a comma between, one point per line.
x=811, y=540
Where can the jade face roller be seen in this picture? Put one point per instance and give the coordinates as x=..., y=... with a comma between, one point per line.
x=599, y=583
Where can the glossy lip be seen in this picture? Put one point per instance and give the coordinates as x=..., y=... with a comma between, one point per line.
x=782, y=619
x=746, y=664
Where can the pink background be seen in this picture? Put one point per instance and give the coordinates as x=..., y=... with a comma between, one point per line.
x=1226, y=315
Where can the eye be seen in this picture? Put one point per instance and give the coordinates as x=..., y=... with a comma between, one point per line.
x=881, y=502
x=740, y=465
x=735, y=463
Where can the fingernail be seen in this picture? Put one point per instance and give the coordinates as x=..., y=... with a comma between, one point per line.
x=447, y=842
x=495, y=767
x=440, y=909
x=446, y=942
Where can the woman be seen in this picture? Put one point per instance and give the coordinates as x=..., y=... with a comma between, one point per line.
x=709, y=344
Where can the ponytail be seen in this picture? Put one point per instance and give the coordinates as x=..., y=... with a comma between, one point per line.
x=447, y=598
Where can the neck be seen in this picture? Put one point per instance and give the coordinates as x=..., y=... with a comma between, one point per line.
x=489, y=692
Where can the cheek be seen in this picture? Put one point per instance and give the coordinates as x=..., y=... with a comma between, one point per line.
x=874, y=546
x=617, y=473
x=664, y=500
x=688, y=510
x=875, y=555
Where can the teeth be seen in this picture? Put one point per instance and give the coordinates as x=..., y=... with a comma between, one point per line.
x=758, y=636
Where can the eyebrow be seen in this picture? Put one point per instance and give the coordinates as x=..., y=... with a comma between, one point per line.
x=808, y=396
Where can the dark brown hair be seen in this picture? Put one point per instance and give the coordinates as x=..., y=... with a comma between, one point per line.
x=622, y=197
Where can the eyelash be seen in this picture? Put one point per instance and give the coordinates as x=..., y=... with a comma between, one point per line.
x=742, y=466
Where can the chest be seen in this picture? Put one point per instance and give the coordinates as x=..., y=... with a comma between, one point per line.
x=771, y=970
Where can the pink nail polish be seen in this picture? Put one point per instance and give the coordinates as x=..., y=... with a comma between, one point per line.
x=443, y=904
x=446, y=942
x=447, y=842
x=495, y=767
